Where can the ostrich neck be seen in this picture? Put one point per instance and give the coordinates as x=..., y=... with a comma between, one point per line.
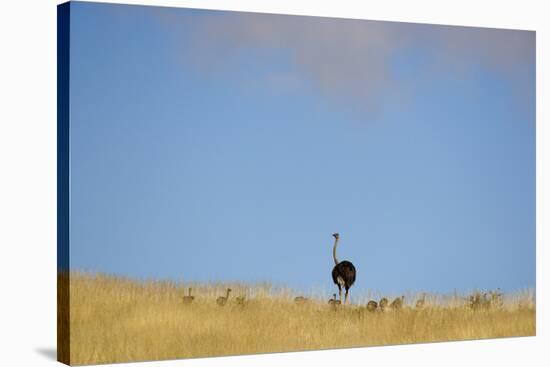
x=334, y=251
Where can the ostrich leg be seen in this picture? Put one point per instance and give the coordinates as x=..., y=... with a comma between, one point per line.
x=340, y=292
x=346, y=298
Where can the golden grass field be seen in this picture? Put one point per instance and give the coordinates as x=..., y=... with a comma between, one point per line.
x=117, y=320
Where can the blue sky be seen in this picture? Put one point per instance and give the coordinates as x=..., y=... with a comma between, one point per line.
x=230, y=146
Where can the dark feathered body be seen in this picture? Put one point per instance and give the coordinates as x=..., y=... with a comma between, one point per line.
x=343, y=274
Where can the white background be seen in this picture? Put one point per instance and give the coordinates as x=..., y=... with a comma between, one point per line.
x=28, y=181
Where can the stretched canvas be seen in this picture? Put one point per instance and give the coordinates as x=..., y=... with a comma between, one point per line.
x=236, y=183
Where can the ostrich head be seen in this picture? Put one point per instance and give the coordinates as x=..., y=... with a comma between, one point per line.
x=336, y=235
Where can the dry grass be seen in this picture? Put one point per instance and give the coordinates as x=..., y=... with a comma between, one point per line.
x=117, y=320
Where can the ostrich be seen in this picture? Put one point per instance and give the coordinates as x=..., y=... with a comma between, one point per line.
x=333, y=301
x=383, y=304
x=240, y=300
x=221, y=301
x=188, y=299
x=478, y=300
x=343, y=273
x=496, y=298
x=421, y=301
x=371, y=306
x=397, y=303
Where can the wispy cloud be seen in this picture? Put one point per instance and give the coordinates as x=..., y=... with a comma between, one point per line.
x=352, y=59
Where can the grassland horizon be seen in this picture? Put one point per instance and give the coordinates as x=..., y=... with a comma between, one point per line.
x=114, y=319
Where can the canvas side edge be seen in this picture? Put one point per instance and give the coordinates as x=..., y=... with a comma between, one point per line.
x=63, y=177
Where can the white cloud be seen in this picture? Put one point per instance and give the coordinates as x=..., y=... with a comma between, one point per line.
x=351, y=59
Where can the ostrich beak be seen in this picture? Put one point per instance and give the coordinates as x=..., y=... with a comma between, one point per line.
x=336, y=235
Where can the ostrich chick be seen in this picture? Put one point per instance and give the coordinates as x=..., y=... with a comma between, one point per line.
x=221, y=301
x=189, y=298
